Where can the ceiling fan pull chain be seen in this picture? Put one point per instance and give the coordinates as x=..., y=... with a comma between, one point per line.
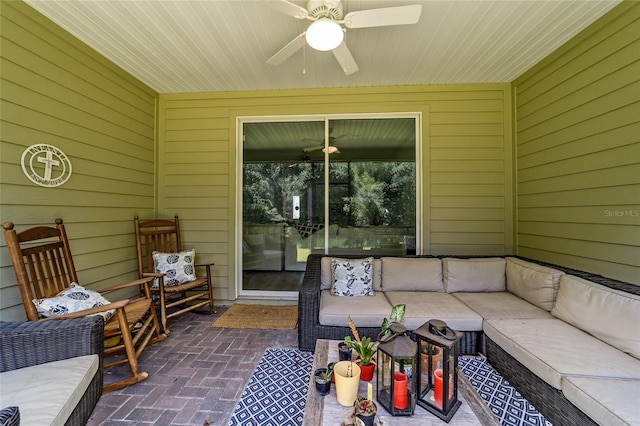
x=304, y=60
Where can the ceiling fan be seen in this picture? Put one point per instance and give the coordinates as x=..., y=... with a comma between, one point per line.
x=328, y=25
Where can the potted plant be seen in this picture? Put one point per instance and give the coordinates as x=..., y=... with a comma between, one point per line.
x=365, y=410
x=322, y=378
x=397, y=315
x=365, y=349
x=425, y=355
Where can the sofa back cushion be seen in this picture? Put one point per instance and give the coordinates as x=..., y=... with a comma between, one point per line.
x=411, y=274
x=534, y=283
x=474, y=275
x=326, y=274
x=610, y=315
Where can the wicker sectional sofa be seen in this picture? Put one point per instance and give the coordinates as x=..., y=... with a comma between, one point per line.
x=569, y=341
x=52, y=370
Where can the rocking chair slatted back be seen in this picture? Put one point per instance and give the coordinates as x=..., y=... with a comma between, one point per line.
x=157, y=235
x=163, y=235
x=48, y=269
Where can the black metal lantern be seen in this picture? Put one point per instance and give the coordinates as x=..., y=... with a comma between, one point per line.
x=396, y=367
x=437, y=377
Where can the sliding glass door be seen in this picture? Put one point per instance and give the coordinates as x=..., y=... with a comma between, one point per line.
x=337, y=185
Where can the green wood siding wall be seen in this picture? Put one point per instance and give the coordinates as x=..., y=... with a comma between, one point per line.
x=56, y=90
x=466, y=148
x=578, y=150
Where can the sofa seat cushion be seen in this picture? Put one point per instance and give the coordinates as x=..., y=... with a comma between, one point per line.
x=48, y=393
x=365, y=311
x=608, y=401
x=497, y=305
x=551, y=349
x=424, y=306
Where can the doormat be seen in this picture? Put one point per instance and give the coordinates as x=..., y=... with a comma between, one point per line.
x=277, y=391
x=281, y=317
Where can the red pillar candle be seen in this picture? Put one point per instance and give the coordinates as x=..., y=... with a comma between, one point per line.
x=400, y=400
x=437, y=386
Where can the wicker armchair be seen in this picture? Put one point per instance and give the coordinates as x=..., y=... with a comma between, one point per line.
x=22, y=343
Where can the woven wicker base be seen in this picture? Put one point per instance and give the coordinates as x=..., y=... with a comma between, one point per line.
x=273, y=317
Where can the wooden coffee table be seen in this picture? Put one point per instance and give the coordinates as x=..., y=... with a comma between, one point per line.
x=326, y=411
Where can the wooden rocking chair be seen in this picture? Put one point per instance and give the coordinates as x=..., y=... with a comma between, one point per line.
x=43, y=265
x=163, y=236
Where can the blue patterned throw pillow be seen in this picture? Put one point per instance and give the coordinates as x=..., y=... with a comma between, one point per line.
x=352, y=277
x=178, y=268
x=75, y=298
x=10, y=416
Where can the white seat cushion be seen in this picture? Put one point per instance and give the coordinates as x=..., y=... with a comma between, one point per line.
x=48, y=393
x=607, y=401
x=551, y=348
x=423, y=306
x=366, y=311
x=496, y=305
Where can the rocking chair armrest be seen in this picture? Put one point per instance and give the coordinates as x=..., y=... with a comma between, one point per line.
x=153, y=274
x=86, y=312
x=205, y=264
x=139, y=282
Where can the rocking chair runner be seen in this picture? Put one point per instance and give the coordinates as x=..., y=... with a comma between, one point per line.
x=43, y=265
x=163, y=236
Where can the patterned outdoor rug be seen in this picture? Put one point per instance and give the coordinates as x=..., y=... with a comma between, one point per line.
x=259, y=316
x=505, y=402
x=276, y=392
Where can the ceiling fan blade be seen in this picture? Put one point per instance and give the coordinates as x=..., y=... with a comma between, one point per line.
x=283, y=54
x=346, y=61
x=400, y=15
x=288, y=8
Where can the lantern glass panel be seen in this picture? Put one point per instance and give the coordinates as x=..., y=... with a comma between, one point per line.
x=437, y=381
x=396, y=391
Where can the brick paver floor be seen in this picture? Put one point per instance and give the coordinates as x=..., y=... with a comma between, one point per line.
x=196, y=375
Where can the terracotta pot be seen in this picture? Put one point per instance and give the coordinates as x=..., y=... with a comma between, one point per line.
x=424, y=360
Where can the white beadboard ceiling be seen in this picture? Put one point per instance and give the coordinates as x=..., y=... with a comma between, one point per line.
x=179, y=46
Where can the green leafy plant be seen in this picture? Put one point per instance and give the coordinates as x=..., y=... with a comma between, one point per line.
x=397, y=315
x=364, y=347
x=324, y=374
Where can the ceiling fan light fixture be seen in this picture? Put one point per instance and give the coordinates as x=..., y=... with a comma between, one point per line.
x=324, y=34
x=330, y=149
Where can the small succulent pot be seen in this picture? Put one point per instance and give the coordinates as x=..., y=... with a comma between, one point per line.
x=323, y=381
x=364, y=412
x=344, y=352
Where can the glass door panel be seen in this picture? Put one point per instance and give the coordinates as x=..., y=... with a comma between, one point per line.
x=372, y=186
x=348, y=190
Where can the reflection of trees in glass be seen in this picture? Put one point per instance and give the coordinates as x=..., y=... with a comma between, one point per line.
x=362, y=193
x=268, y=189
x=383, y=194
